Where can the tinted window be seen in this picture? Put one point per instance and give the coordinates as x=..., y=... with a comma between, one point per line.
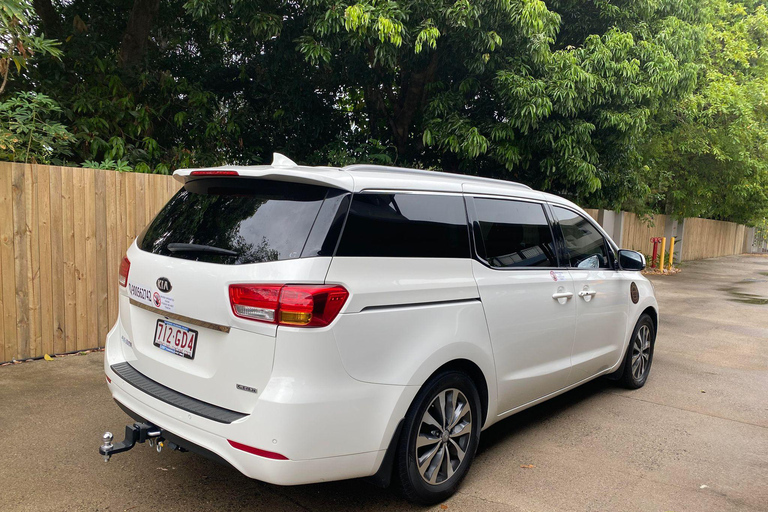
x=405, y=226
x=584, y=243
x=514, y=234
x=259, y=220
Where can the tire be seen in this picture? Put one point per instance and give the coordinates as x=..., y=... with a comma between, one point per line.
x=639, y=357
x=422, y=479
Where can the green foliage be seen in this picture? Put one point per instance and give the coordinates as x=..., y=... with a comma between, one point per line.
x=17, y=42
x=709, y=153
x=109, y=164
x=652, y=105
x=29, y=131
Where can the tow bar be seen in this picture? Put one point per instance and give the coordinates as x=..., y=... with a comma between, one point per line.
x=136, y=433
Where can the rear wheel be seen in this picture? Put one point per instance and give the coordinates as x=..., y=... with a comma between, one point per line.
x=637, y=364
x=439, y=440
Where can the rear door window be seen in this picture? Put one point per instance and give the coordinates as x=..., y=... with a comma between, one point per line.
x=513, y=234
x=244, y=220
x=406, y=226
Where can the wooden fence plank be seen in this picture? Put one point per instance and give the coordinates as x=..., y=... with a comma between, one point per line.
x=91, y=265
x=21, y=256
x=57, y=262
x=103, y=284
x=140, y=204
x=33, y=261
x=81, y=285
x=113, y=252
x=43, y=173
x=130, y=208
x=8, y=290
x=68, y=199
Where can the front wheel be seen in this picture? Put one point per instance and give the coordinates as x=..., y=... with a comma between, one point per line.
x=440, y=436
x=637, y=364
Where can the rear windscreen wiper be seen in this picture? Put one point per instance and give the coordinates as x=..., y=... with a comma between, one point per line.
x=177, y=247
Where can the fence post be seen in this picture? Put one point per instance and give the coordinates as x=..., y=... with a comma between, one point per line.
x=749, y=241
x=612, y=222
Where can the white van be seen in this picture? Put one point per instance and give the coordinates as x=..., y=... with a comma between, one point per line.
x=308, y=324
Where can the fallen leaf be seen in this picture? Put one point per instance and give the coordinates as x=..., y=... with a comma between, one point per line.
x=47, y=357
x=444, y=507
x=527, y=466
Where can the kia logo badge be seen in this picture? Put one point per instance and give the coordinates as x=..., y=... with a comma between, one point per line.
x=164, y=285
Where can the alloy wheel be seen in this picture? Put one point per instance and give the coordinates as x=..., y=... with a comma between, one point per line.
x=444, y=436
x=641, y=352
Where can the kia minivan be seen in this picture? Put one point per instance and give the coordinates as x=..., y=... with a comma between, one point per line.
x=308, y=324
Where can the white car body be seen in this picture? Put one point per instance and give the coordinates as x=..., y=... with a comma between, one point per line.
x=329, y=400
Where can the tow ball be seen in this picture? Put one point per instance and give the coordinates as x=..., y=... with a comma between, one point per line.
x=136, y=433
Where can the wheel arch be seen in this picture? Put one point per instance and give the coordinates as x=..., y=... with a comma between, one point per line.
x=475, y=373
x=651, y=311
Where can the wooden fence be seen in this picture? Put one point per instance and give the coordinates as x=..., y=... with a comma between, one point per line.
x=637, y=231
x=63, y=232
x=704, y=238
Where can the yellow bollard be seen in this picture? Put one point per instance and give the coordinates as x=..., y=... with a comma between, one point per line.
x=661, y=258
x=671, y=251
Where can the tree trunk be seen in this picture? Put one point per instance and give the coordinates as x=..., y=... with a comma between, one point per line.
x=410, y=103
x=51, y=21
x=136, y=34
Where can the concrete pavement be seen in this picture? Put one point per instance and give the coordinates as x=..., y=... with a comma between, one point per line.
x=695, y=438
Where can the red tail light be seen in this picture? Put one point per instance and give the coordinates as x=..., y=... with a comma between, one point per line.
x=214, y=173
x=295, y=305
x=125, y=267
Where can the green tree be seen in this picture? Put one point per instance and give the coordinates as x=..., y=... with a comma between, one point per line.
x=497, y=88
x=17, y=40
x=708, y=155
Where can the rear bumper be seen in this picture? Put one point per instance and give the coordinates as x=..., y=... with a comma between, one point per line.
x=332, y=428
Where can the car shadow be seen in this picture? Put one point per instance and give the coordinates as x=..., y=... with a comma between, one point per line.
x=235, y=491
x=534, y=416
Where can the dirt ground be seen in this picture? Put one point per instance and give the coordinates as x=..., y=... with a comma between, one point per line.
x=695, y=438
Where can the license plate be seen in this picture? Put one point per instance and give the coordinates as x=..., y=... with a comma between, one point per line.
x=176, y=339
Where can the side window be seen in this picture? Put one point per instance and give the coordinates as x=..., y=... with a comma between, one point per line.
x=406, y=226
x=514, y=234
x=585, y=245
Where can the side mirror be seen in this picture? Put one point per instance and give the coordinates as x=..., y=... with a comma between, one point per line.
x=631, y=260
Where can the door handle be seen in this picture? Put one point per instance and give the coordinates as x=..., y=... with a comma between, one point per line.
x=587, y=293
x=562, y=295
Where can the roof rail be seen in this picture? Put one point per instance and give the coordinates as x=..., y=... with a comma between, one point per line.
x=421, y=172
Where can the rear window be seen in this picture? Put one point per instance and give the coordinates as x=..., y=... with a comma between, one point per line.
x=243, y=220
x=406, y=226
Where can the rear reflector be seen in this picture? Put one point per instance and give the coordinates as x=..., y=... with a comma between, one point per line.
x=108, y=379
x=294, y=305
x=256, y=451
x=125, y=267
x=214, y=173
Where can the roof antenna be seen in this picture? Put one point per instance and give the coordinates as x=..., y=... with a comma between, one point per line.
x=279, y=160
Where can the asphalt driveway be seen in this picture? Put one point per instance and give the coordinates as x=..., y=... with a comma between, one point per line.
x=694, y=438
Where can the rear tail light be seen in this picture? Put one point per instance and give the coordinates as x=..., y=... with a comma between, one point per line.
x=295, y=305
x=125, y=267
